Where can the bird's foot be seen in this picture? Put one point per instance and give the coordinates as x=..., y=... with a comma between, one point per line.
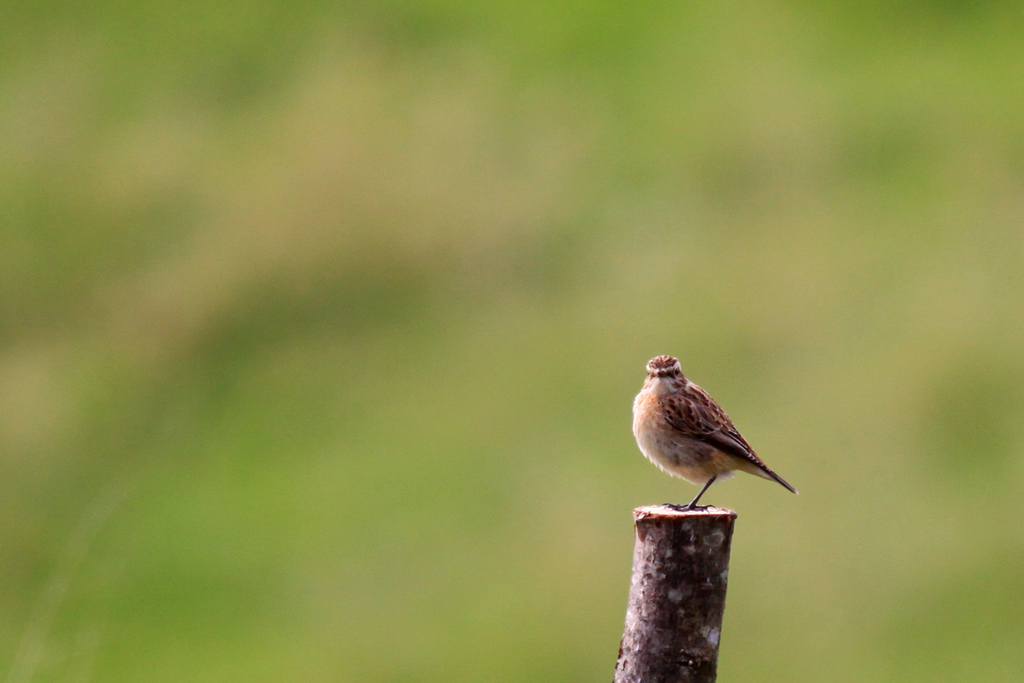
x=685, y=508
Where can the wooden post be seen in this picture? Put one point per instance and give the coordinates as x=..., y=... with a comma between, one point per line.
x=676, y=596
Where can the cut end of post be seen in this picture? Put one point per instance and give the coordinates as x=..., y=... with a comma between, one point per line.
x=670, y=511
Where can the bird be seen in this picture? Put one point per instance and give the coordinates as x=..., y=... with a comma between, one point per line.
x=681, y=429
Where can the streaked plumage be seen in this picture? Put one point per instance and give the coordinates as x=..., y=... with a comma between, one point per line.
x=681, y=429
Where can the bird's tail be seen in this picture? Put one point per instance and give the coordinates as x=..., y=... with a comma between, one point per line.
x=753, y=464
x=765, y=472
x=771, y=475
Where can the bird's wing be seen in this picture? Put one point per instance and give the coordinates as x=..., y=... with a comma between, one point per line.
x=694, y=413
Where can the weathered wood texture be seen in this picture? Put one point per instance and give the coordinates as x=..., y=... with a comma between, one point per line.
x=676, y=596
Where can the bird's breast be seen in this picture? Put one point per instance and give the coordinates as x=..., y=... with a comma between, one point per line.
x=673, y=452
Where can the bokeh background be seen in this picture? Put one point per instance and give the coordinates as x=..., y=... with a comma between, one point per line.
x=320, y=326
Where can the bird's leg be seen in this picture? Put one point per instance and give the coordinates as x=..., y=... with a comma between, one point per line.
x=693, y=503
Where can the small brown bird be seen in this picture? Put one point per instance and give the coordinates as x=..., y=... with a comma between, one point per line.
x=684, y=432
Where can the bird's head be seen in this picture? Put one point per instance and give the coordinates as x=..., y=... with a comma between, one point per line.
x=664, y=366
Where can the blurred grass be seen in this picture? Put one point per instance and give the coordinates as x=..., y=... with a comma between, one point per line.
x=351, y=302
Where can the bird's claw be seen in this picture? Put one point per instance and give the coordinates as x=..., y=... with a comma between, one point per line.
x=685, y=508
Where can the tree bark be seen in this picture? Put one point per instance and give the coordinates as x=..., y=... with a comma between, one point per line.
x=676, y=596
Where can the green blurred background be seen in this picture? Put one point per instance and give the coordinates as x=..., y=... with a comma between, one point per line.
x=320, y=326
